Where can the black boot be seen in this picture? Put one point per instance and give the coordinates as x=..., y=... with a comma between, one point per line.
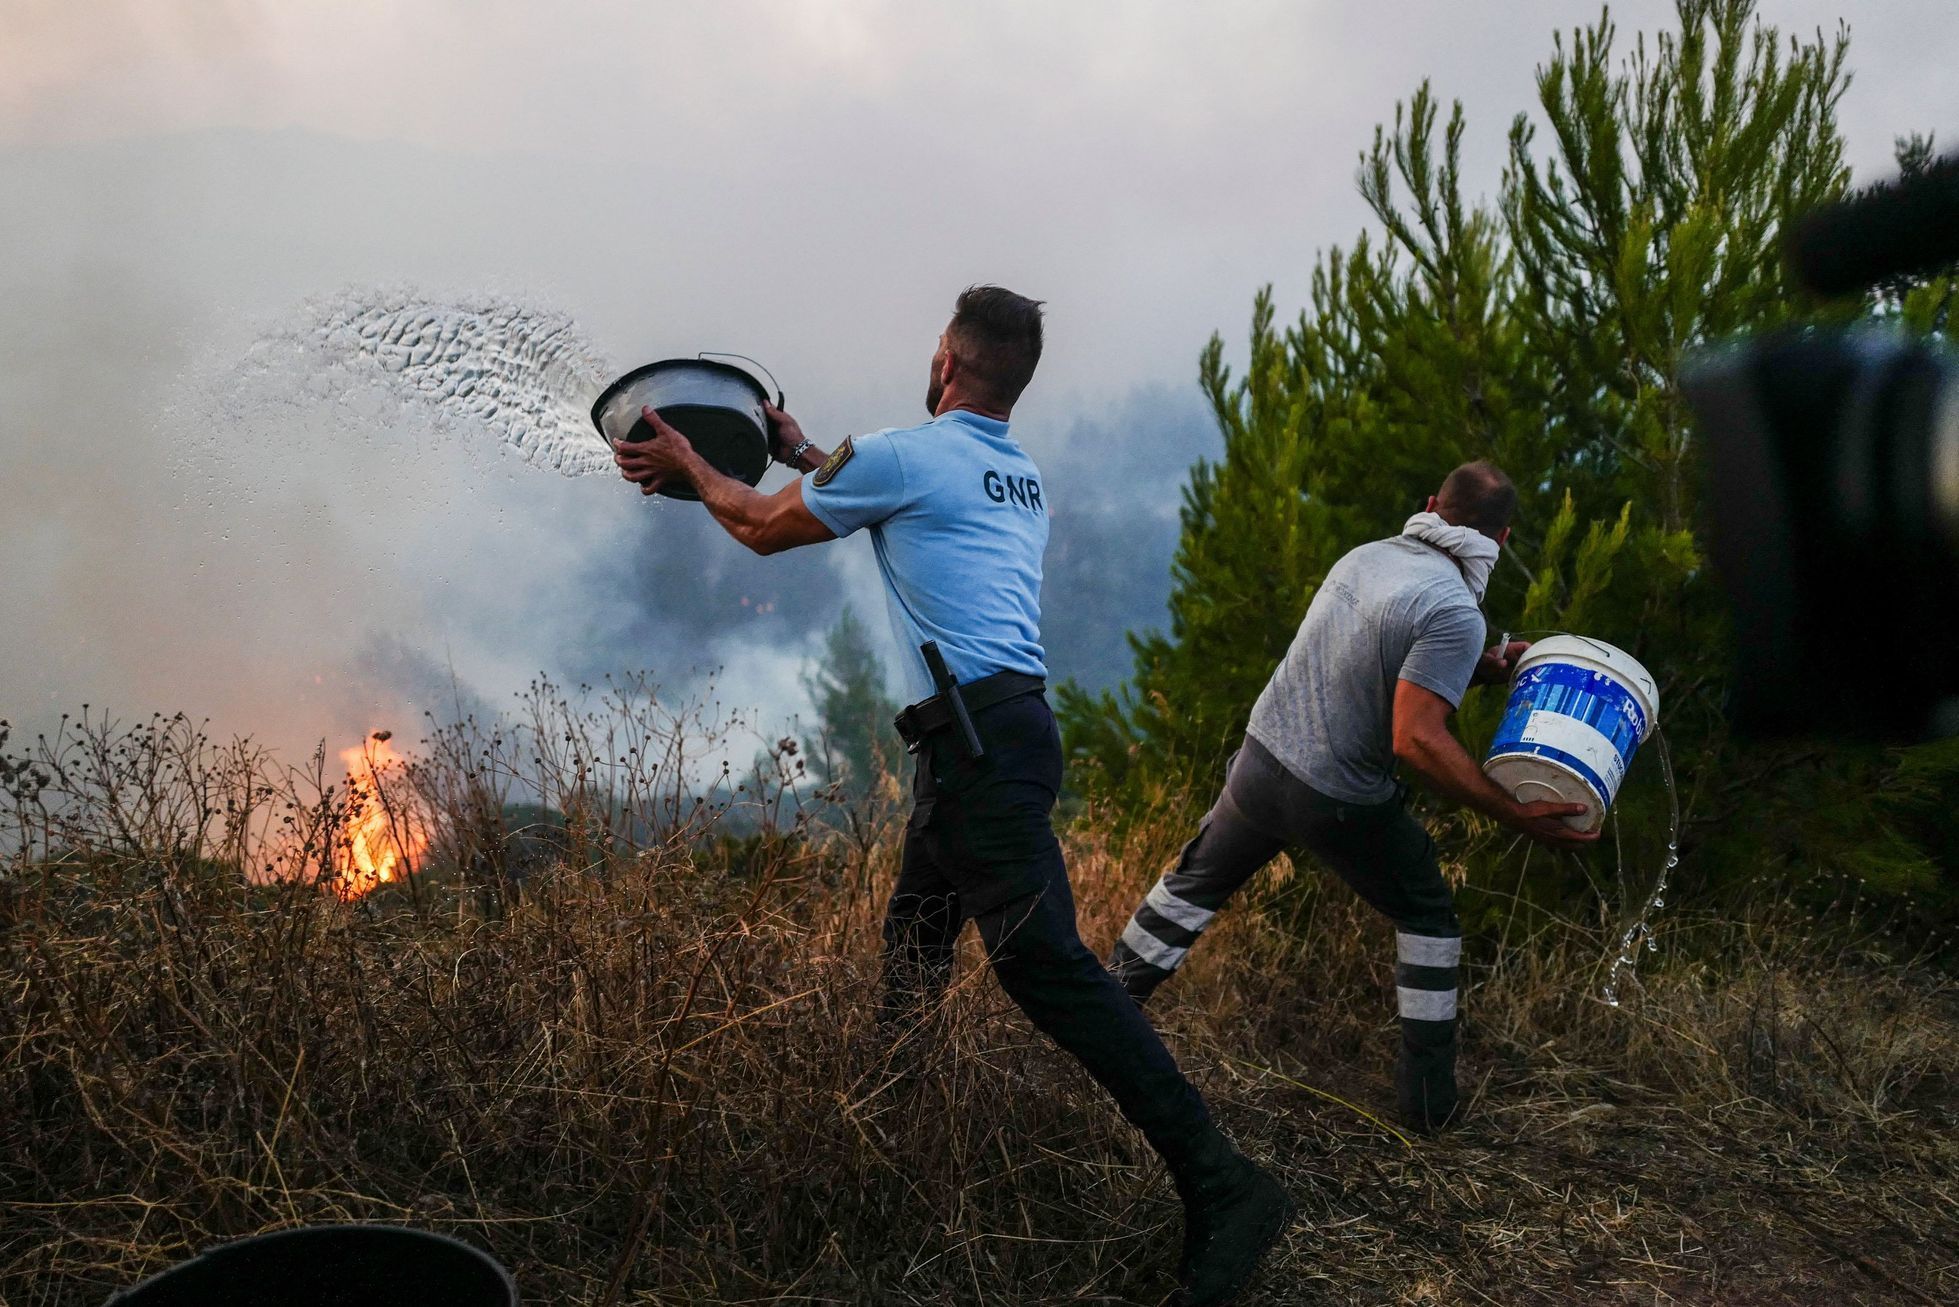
x=1234, y=1212
x=1425, y=1075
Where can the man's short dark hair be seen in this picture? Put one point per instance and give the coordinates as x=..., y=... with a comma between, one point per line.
x=1478, y=495
x=997, y=335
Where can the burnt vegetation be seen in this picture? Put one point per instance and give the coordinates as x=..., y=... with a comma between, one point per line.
x=644, y=1067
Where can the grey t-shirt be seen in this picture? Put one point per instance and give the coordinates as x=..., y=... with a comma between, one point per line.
x=1395, y=609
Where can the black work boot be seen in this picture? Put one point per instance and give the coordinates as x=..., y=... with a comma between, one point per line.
x=1234, y=1212
x=1425, y=1076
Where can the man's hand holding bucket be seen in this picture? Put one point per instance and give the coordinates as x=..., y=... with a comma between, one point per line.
x=1498, y=661
x=787, y=443
x=650, y=464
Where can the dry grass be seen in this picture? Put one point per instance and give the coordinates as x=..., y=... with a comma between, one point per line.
x=652, y=1076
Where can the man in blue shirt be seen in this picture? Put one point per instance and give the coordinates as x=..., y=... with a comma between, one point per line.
x=959, y=520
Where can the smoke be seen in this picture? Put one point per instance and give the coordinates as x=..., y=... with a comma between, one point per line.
x=309, y=515
x=219, y=498
x=1115, y=478
x=304, y=542
x=315, y=559
x=390, y=669
x=341, y=560
x=674, y=582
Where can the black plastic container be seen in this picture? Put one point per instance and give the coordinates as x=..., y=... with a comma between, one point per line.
x=332, y=1266
x=716, y=405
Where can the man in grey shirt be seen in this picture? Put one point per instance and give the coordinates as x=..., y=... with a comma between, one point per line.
x=1390, y=643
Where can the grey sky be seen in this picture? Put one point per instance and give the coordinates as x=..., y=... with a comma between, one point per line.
x=808, y=183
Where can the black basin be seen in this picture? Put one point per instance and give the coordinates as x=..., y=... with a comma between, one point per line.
x=332, y=1266
x=717, y=406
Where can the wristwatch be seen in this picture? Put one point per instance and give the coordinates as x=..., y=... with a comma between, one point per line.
x=795, y=458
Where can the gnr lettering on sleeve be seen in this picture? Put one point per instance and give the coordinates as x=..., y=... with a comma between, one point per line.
x=1023, y=492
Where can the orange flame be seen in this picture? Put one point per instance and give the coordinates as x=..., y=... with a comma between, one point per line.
x=380, y=835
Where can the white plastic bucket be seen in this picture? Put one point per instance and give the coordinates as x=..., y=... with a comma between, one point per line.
x=1578, y=711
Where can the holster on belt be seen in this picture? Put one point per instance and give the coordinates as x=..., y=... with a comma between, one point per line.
x=952, y=708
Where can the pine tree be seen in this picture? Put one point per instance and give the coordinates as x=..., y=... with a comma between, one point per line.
x=1544, y=331
x=852, y=745
x=1922, y=303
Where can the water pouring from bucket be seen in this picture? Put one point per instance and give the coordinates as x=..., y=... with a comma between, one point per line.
x=477, y=366
x=1579, y=709
x=509, y=370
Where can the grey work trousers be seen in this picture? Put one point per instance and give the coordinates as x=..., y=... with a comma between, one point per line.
x=1378, y=849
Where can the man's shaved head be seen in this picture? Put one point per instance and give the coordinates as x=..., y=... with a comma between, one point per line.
x=1477, y=495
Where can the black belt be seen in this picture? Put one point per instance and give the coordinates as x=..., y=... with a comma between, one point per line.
x=928, y=716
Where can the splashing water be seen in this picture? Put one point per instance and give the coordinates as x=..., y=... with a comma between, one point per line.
x=526, y=376
x=1640, y=931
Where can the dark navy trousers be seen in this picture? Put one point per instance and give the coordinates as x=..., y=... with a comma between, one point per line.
x=981, y=846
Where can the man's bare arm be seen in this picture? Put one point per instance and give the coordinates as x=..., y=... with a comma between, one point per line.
x=767, y=524
x=1423, y=742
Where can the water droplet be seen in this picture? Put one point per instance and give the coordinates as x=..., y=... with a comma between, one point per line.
x=1641, y=927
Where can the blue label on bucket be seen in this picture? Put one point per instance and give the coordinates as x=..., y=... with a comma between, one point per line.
x=1581, y=718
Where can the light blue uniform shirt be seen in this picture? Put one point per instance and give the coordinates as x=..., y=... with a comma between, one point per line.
x=959, y=522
